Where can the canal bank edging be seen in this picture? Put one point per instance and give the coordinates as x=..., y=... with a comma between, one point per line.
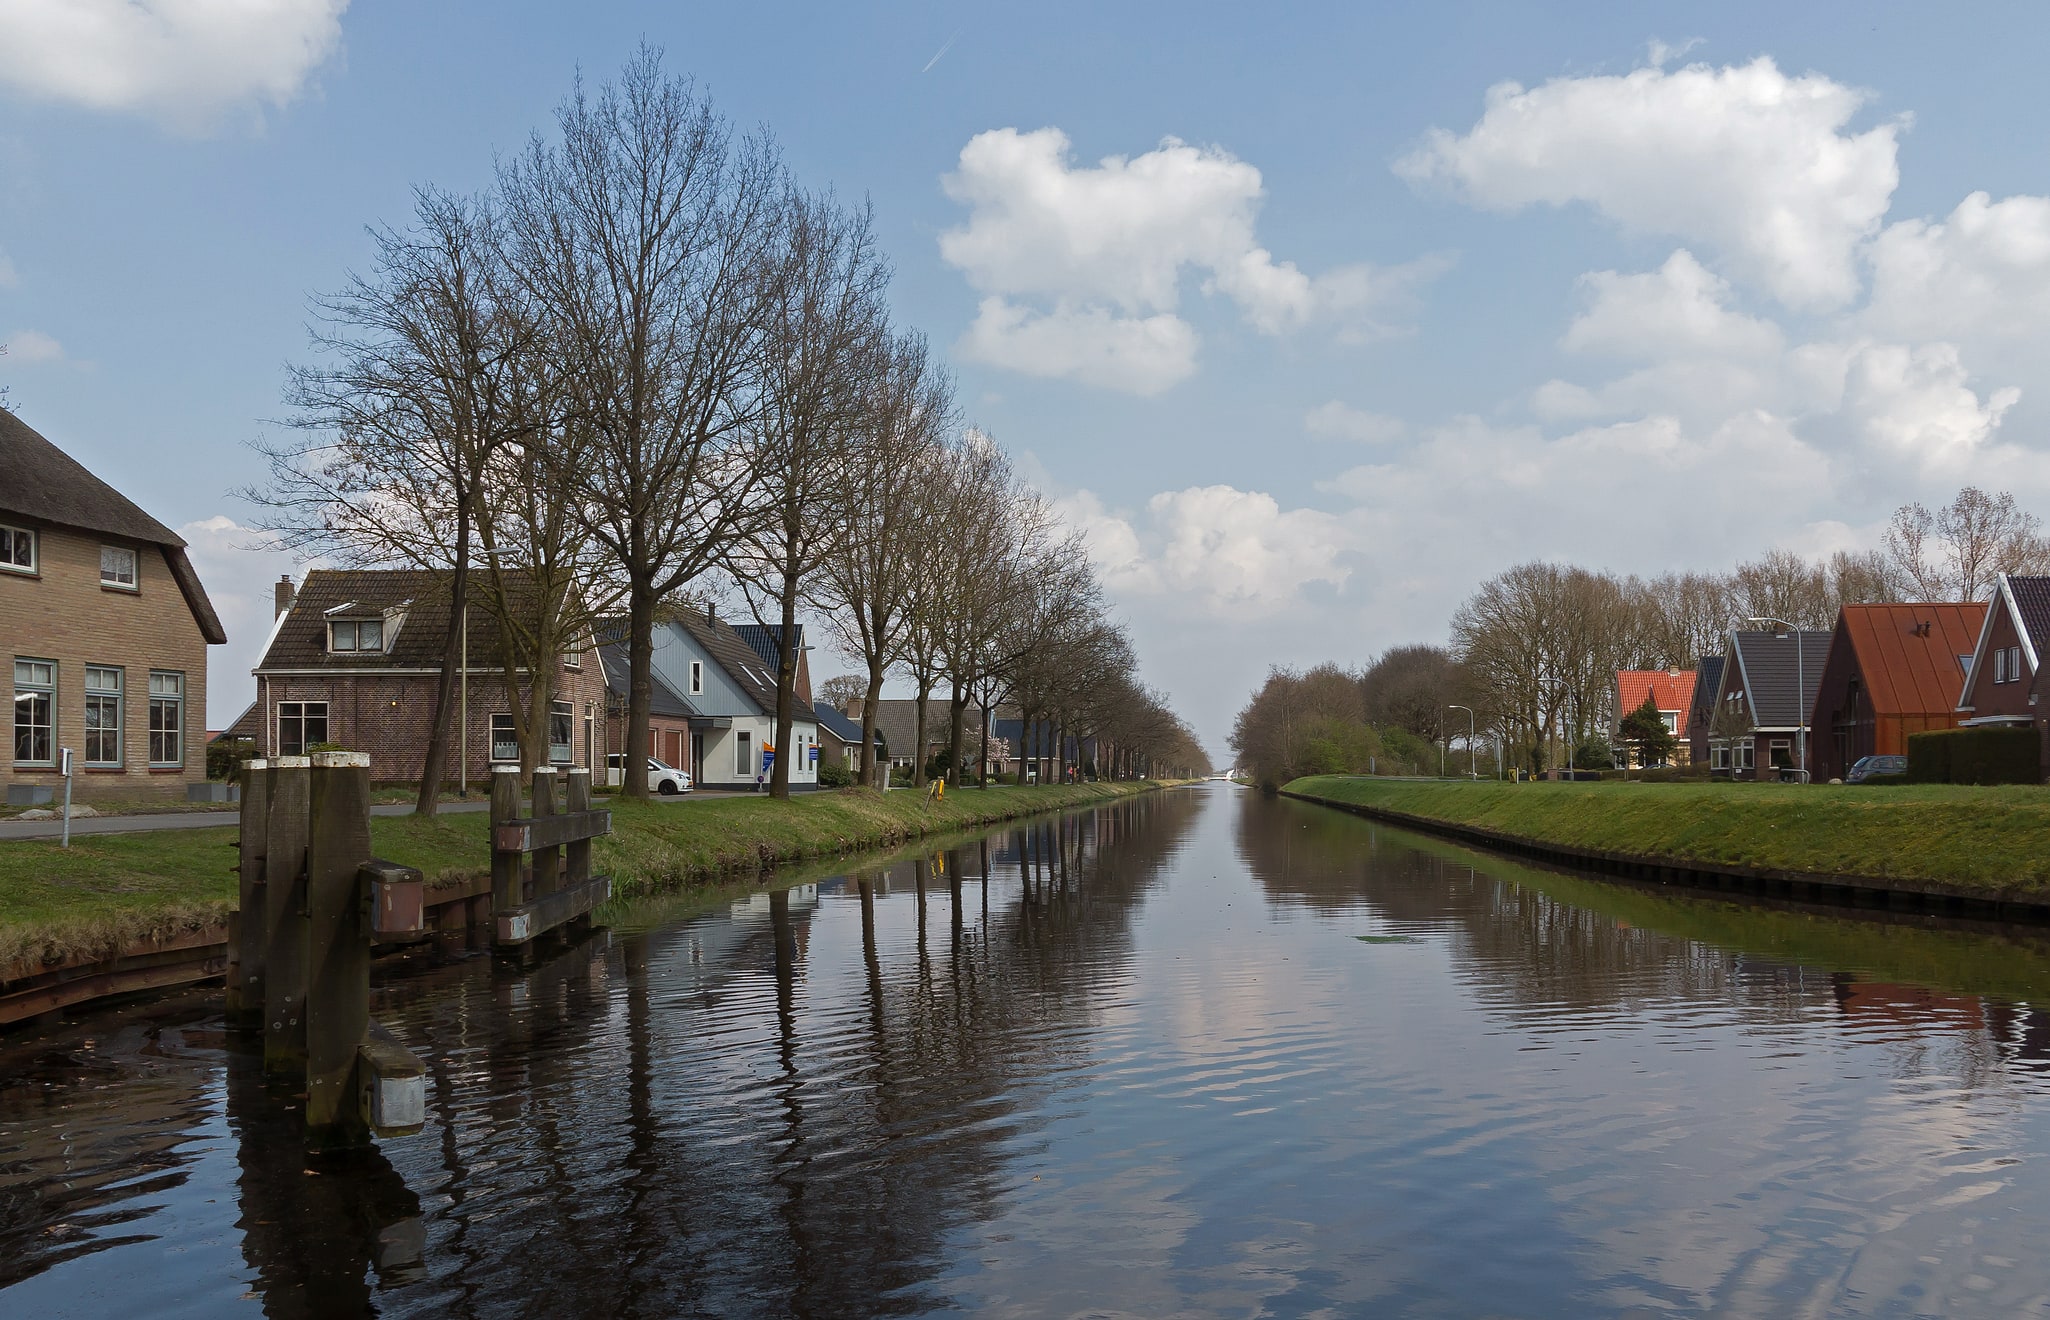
x=1903, y=894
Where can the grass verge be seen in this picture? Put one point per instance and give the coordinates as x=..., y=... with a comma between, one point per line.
x=1992, y=842
x=109, y=890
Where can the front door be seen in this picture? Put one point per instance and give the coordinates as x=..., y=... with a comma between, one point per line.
x=697, y=758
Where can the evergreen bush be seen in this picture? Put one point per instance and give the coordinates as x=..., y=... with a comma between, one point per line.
x=1985, y=755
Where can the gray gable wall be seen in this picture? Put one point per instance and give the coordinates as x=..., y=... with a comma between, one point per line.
x=675, y=648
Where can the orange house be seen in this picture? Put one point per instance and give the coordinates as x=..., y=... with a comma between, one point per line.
x=1672, y=695
x=1891, y=670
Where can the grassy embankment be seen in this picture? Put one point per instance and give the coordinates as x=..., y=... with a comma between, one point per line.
x=108, y=890
x=1987, y=842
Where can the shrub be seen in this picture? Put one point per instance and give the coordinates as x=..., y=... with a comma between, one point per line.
x=224, y=758
x=1986, y=755
x=834, y=775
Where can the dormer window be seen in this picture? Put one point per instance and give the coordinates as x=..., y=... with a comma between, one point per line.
x=117, y=567
x=353, y=636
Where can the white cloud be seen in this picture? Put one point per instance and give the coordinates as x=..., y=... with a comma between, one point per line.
x=1101, y=252
x=1915, y=406
x=1140, y=355
x=1681, y=308
x=33, y=347
x=1226, y=550
x=183, y=61
x=1744, y=159
x=1340, y=421
x=1983, y=271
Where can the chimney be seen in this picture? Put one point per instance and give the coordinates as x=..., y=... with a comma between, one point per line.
x=855, y=705
x=711, y=612
x=283, y=594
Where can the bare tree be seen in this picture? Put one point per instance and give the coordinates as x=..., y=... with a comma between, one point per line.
x=841, y=689
x=643, y=234
x=1956, y=552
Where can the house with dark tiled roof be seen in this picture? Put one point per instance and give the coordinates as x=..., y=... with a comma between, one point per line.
x=722, y=695
x=355, y=657
x=1708, y=677
x=840, y=739
x=1766, y=692
x=1892, y=670
x=762, y=639
x=2003, y=683
x=105, y=626
x=1672, y=695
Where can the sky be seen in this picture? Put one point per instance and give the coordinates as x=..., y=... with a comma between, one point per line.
x=1311, y=317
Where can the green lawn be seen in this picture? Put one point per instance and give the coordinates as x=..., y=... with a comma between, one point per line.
x=1992, y=840
x=110, y=889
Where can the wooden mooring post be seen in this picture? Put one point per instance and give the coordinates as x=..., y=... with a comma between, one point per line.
x=246, y=924
x=558, y=888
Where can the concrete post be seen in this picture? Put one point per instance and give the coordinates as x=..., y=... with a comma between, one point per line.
x=547, y=861
x=338, y=964
x=508, y=890
x=245, y=954
x=284, y=952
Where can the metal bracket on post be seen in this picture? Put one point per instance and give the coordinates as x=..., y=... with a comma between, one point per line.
x=395, y=900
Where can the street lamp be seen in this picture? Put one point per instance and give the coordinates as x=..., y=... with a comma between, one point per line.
x=1800, y=693
x=1471, y=771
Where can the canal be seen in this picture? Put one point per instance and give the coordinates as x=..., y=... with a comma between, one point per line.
x=1195, y=1053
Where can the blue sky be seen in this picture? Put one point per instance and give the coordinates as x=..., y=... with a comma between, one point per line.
x=1707, y=279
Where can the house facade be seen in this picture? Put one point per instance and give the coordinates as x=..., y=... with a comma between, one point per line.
x=354, y=660
x=1708, y=678
x=104, y=625
x=1672, y=695
x=724, y=696
x=1766, y=692
x=2003, y=681
x=1892, y=670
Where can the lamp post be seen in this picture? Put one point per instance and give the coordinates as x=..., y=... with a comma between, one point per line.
x=1471, y=771
x=1800, y=692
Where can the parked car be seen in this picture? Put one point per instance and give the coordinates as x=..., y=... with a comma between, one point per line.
x=664, y=779
x=1869, y=768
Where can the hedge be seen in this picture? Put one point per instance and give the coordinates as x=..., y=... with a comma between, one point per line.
x=1990, y=754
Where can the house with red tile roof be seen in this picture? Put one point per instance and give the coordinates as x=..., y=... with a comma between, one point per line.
x=1671, y=692
x=1891, y=670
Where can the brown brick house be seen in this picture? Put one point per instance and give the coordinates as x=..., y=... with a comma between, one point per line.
x=354, y=659
x=2002, y=683
x=104, y=626
x=1892, y=670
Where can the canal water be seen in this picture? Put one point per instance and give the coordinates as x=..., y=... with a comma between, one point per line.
x=1196, y=1053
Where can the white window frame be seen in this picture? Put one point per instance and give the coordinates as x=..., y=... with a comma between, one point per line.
x=166, y=694
x=355, y=627
x=697, y=678
x=98, y=688
x=303, y=708
x=111, y=564
x=28, y=684
x=505, y=751
x=564, y=752
x=743, y=754
x=11, y=538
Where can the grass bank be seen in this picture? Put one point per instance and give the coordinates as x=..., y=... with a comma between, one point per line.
x=1991, y=844
x=109, y=890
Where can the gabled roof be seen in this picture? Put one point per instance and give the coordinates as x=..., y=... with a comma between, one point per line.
x=763, y=640
x=897, y=720
x=1669, y=689
x=663, y=700
x=846, y=730
x=756, y=679
x=2026, y=601
x=1767, y=667
x=299, y=639
x=41, y=482
x=1708, y=682
x=1908, y=654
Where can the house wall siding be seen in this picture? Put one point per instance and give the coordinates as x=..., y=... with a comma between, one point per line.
x=1988, y=697
x=64, y=614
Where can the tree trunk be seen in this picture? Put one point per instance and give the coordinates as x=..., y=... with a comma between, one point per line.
x=918, y=750
x=957, y=708
x=640, y=685
x=868, y=724
x=983, y=778
x=434, y=768
x=786, y=691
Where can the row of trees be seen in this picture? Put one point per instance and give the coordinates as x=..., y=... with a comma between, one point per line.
x=1534, y=650
x=646, y=365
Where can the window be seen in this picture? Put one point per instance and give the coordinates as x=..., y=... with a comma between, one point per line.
x=167, y=719
x=301, y=724
x=1719, y=755
x=505, y=742
x=102, y=715
x=1781, y=753
x=560, y=751
x=573, y=653
x=1672, y=719
x=697, y=678
x=117, y=567
x=35, y=700
x=355, y=635
x=17, y=549
x=743, y=754
x=1747, y=754
x=2014, y=664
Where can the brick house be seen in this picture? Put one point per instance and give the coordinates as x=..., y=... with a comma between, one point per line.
x=1767, y=689
x=1892, y=670
x=105, y=626
x=2002, y=683
x=354, y=659
x=1672, y=695
x=1708, y=678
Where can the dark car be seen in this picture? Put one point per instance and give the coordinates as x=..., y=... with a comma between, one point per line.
x=1870, y=768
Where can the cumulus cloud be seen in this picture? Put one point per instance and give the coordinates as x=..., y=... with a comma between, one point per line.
x=33, y=348
x=1679, y=309
x=1101, y=252
x=1916, y=407
x=1754, y=164
x=1982, y=271
x=1340, y=421
x=185, y=62
x=1224, y=549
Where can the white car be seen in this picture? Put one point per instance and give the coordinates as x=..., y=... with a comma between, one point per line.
x=664, y=779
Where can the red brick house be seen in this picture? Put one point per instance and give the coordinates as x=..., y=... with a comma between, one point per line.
x=354, y=659
x=1766, y=693
x=2001, y=685
x=1672, y=695
x=1708, y=681
x=1891, y=670
x=104, y=628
